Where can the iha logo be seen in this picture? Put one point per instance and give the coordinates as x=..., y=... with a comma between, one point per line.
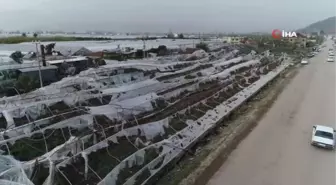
x=278, y=34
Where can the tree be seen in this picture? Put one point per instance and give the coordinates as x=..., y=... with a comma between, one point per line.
x=100, y=62
x=180, y=36
x=322, y=32
x=139, y=53
x=170, y=35
x=24, y=35
x=35, y=35
x=319, y=39
x=309, y=44
x=17, y=56
x=49, y=48
x=202, y=45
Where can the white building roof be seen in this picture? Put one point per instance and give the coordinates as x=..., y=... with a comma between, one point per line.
x=67, y=60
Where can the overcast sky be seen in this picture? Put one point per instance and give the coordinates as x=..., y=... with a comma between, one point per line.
x=162, y=15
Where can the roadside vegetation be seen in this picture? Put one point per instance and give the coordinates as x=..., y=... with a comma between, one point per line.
x=203, y=45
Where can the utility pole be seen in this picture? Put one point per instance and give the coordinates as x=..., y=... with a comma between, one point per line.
x=38, y=61
x=43, y=55
x=144, y=48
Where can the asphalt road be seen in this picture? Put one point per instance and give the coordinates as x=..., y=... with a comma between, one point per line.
x=278, y=150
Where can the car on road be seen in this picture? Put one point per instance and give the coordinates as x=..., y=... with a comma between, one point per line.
x=310, y=55
x=304, y=62
x=330, y=59
x=323, y=137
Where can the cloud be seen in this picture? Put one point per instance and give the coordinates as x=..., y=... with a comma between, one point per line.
x=154, y=15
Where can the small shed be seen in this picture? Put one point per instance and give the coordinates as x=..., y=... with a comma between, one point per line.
x=49, y=73
x=80, y=63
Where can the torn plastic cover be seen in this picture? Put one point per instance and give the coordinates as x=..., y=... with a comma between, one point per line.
x=12, y=173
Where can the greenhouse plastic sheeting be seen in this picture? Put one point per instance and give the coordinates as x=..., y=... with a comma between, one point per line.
x=12, y=173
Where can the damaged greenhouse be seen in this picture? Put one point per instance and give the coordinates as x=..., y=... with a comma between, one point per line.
x=121, y=124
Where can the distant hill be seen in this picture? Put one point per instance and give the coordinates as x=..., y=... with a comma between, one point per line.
x=327, y=25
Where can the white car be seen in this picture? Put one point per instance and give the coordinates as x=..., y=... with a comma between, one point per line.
x=323, y=136
x=330, y=59
x=304, y=62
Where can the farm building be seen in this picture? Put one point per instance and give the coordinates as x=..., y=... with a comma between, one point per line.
x=80, y=63
x=49, y=73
